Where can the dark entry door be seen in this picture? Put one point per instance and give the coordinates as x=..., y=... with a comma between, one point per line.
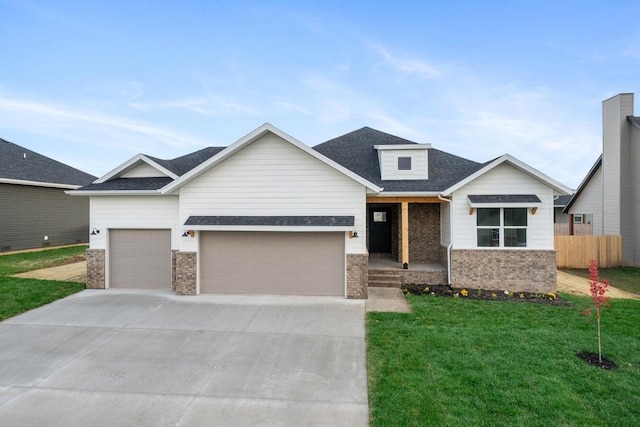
x=380, y=230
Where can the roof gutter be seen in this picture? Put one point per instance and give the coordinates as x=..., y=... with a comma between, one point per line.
x=37, y=183
x=450, y=246
x=114, y=193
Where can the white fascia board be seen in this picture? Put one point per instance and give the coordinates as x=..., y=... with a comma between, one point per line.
x=132, y=163
x=115, y=193
x=291, y=228
x=253, y=136
x=403, y=147
x=545, y=179
x=409, y=194
x=37, y=184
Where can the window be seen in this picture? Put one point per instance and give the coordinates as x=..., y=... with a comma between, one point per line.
x=577, y=219
x=404, y=163
x=502, y=227
x=379, y=217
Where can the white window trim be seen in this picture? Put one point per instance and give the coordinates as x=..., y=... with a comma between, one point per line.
x=501, y=228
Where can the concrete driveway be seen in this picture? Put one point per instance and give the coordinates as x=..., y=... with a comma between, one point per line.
x=152, y=358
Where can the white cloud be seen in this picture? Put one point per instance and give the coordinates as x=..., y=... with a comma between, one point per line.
x=406, y=66
x=74, y=123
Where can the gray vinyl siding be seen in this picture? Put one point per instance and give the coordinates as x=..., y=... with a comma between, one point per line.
x=28, y=213
x=617, y=164
x=635, y=147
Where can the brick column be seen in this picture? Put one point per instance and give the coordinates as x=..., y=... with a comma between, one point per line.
x=357, y=275
x=174, y=277
x=96, y=269
x=186, y=273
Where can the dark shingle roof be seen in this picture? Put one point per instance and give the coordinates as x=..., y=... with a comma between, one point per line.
x=183, y=164
x=562, y=201
x=504, y=198
x=129, y=184
x=322, y=221
x=19, y=163
x=356, y=152
x=179, y=166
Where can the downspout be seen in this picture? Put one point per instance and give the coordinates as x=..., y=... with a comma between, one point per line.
x=450, y=237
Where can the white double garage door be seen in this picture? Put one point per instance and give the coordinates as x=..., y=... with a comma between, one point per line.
x=276, y=263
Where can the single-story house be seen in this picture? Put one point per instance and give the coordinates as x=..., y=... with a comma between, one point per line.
x=34, y=208
x=271, y=215
x=608, y=200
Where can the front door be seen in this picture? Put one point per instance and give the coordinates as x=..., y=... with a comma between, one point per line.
x=380, y=229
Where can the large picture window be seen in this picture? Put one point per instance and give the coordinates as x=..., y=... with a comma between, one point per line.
x=502, y=227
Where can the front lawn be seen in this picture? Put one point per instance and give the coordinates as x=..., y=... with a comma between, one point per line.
x=625, y=278
x=20, y=295
x=460, y=362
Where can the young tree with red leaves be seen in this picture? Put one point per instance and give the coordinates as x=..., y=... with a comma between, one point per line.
x=598, y=290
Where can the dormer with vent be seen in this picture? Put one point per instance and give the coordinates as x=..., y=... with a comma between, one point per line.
x=403, y=161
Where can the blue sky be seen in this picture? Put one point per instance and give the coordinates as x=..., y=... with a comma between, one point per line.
x=92, y=83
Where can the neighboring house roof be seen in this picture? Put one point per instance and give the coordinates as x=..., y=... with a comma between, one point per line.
x=355, y=151
x=634, y=121
x=561, y=201
x=583, y=184
x=19, y=165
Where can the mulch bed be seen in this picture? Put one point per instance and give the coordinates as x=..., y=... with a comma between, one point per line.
x=593, y=359
x=483, y=294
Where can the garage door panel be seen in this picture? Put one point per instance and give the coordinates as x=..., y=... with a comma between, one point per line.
x=272, y=263
x=140, y=259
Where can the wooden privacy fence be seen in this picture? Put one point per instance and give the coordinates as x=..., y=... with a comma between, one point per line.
x=576, y=251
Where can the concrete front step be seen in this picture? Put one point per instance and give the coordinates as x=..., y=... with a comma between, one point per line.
x=384, y=278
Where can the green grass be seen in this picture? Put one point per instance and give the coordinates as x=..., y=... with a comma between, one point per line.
x=20, y=295
x=457, y=362
x=625, y=278
x=28, y=261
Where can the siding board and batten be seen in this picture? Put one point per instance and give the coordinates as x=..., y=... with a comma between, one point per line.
x=504, y=179
x=270, y=177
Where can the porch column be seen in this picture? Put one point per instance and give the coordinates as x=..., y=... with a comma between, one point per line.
x=405, y=233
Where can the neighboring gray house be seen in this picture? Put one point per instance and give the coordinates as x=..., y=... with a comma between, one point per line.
x=270, y=215
x=609, y=197
x=35, y=212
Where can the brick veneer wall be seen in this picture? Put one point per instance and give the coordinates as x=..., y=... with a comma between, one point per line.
x=357, y=275
x=512, y=270
x=186, y=273
x=424, y=232
x=174, y=277
x=96, y=269
x=429, y=277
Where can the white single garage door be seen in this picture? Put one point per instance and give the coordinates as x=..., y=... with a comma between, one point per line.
x=275, y=263
x=140, y=259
